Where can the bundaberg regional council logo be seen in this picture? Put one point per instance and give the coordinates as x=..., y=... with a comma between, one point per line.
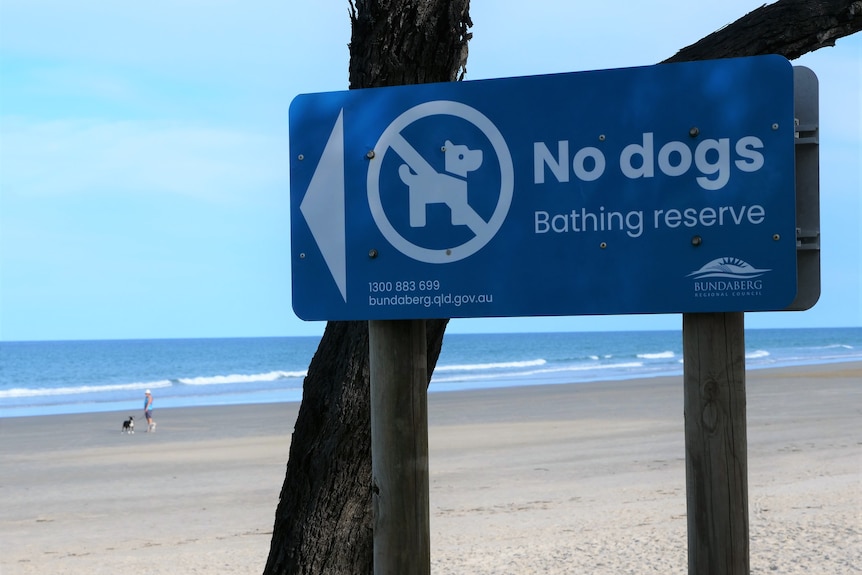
x=728, y=277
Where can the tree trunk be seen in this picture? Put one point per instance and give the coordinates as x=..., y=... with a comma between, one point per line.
x=395, y=42
x=323, y=521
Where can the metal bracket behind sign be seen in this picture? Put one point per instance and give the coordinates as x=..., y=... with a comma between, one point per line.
x=807, y=115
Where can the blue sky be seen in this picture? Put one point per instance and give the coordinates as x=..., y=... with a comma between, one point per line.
x=143, y=154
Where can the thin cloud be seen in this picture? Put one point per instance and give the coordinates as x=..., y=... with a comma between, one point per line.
x=93, y=156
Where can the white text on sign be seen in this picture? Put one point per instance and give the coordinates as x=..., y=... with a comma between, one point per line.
x=711, y=159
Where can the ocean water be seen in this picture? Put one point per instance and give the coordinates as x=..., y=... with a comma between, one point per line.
x=42, y=378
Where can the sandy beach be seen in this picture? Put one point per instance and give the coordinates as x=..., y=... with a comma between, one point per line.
x=582, y=478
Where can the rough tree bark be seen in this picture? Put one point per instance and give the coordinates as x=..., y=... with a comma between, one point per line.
x=788, y=27
x=323, y=520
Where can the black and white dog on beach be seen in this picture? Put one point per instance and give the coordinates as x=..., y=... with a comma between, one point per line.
x=129, y=425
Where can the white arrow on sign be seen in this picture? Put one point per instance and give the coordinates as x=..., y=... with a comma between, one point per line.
x=323, y=206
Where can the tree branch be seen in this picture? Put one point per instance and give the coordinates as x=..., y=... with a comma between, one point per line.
x=790, y=28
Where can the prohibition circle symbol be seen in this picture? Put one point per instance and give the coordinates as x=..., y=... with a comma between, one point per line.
x=391, y=139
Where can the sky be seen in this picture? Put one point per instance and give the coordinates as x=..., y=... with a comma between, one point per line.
x=144, y=187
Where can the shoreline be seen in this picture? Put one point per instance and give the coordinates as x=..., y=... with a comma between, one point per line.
x=555, y=479
x=433, y=392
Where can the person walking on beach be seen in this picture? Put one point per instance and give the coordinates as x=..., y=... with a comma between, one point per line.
x=148, y=411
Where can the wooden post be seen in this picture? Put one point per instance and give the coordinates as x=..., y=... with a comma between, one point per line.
x=399, y=447
x=716, y=461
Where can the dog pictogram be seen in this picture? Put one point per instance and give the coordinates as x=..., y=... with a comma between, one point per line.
x=427, y=186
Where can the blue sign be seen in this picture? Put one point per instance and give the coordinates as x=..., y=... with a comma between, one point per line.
x=658, y=189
